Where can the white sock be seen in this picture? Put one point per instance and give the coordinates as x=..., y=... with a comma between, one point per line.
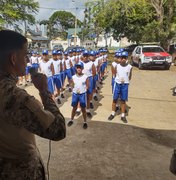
x=95, y=94
x=123, y=115
x=113, y=113
x=90, y=101
x=88, y=110
x=78, y=109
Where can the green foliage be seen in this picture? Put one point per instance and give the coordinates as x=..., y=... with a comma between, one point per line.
x=59, y=23
x=138, y=20
x=13, y=11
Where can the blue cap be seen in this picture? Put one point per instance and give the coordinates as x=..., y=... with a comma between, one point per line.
x=78, y=50
x=34, y=52
x=74, y=50
x=92, y=53
x=70, y=51
x=118, y=54
x=80, y=64
x=45, y=51
x=125, y=53
x=66, y=53
x=54, y=52
x=121, y=50
x=59, y=52
x=85, y=52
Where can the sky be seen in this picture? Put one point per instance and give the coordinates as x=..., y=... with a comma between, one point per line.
x=48, y=7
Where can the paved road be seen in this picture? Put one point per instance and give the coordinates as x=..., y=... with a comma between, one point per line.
x=140, y=150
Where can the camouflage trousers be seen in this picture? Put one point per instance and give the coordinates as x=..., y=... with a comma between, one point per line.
x=21, y=170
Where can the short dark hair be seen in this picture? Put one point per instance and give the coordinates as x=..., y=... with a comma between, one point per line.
x=10, y=41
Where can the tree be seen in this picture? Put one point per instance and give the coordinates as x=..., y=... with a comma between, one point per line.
x=14, y=11
x=59, y=23
x=141, y=20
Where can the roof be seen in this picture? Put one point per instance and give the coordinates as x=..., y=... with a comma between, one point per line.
x=39, y=38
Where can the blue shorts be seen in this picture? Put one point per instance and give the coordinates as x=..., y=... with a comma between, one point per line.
x=50, y=85
x=57, y=80
x=63, y=77
x=68, y=73
x=120, y=91
x=102, y=68
x=90, y=89
x=27, y=69
x=95, y=79
x=81, y=98
x=36, y=66
x=73, y=70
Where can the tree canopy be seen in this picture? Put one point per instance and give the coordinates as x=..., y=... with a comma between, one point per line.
x=14, y=11
x=59, y=23
x=138, y=20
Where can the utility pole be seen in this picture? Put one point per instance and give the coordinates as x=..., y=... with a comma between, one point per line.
x=75, y=32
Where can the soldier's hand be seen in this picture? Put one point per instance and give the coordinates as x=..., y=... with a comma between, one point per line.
x=40, y=81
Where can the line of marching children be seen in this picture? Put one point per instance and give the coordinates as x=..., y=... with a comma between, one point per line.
x=84, y=71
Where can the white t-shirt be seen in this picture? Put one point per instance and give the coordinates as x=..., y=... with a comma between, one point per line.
x=123, y=73
x=79, y=84
x=96, y=63
x=114, y=64
x=73, y=60
x=57, y=66
x=63, y=66
x=67, y=63
x=46, y=68
x=88, y=68
x=34, y=59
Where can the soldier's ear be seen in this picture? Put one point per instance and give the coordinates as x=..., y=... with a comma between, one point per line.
x=13, y=58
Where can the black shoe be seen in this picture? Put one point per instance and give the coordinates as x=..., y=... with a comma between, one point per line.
x=58, y=101
x=62, y=96
x=174, y=94
x=77, y=113
x=89, y=115
x=91, y=106
x=70, y=90
x=70, y=123
x=111, y=117
x=95, y=98
x=85, y=126
x=124, y=119
x=98, y=88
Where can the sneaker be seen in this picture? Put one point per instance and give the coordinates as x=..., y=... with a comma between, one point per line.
x=58, y=101
x=124, y=119
x=77, y=113
x=70, y=90
x=111, y=117
x=85, y=126
x=70, y=123
x=98, y=87
x=89, y=115
x=95, y=98
x=91, y=106
x=62, y=96
x=174, y=94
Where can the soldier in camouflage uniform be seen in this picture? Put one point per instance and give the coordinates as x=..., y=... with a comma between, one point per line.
x=22, y=116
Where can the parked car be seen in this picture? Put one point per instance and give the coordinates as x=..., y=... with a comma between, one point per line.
x=74, y=47
x=130, y=48
x=58, y=47
x=151, y=56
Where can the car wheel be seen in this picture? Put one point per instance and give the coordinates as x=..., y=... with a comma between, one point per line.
x=167, y=67
x=140, y=65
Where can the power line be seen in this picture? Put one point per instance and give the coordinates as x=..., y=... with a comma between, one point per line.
x=51, y=8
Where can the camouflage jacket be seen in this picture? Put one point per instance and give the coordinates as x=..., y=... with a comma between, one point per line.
x=21, y=117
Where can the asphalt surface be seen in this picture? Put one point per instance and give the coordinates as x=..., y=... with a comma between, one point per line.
x=139, y=150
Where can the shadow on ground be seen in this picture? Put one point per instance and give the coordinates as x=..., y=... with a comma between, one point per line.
x=111, y=151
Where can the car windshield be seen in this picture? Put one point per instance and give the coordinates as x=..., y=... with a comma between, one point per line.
x=152, y=49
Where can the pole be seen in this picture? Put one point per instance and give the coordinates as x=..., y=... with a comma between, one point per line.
x=75, y=34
